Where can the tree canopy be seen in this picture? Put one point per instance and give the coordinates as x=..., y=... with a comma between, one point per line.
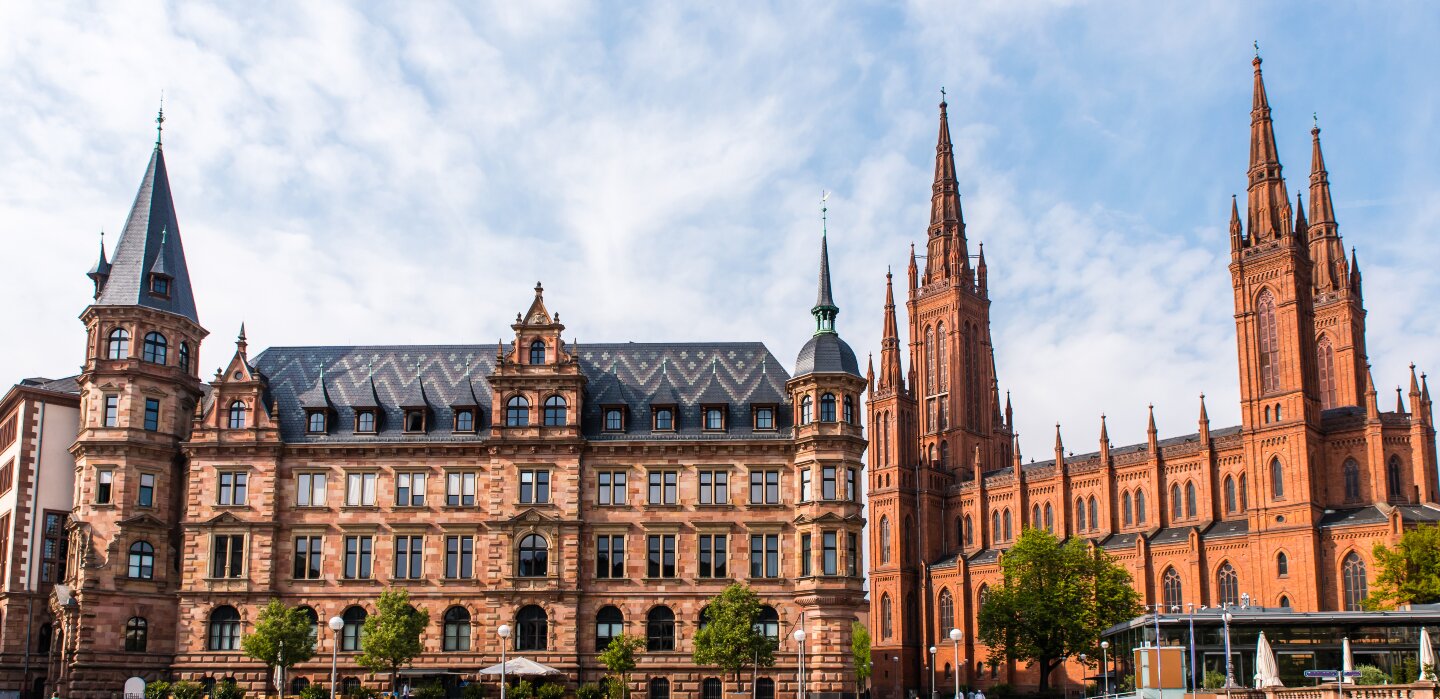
x=390, y=638
x=731, y=639
x=1054, y=602
x=281, y=637
x=1410, y=573
x=860, y=652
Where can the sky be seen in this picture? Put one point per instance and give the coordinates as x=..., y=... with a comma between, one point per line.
x=403, y=173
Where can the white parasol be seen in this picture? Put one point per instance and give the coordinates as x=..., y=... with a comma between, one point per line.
x=1427, y=656
x=1266, y=673
x=1347, y=661
x=523, y=667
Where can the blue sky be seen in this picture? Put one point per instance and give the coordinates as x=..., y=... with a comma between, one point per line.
x=404, y=173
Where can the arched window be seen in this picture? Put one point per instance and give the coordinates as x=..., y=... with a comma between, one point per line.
x=1277, y=479
x=1127, y=507
x=1079, y=514
x=1325, y=367
x=1035, y=516
x=609, y=623
x=314, y=620
x=1244, y=494
x=827, y=407
x=155, y=348
x=971, y=349
x=1094, y=513
x=849, y=416
x=1229, y=494
x=457, y=629
x=994, y=526
x=929, y=361
x=659, y=688
x=1351, y=471
x=1282, y=565
x=887, y=617
x=185, y=357
x=1227, y=585
x=142, y=560
x=944, y=456
x=118, y=345
x=1393, y=485
x=1176, y=508
x=537, y=352
x=354, y=628
x=767, y=623
x=660, y=629
x=298, y=685
x=1009, y=534
x=764, y=688
x=532, y=629
x=517, y=412
x=710, y=688
x=1190, y=499
x=1284, y=602
x=1269, y=342
x=981, y=595
x=1049, y=518
x=1170, y=588
x=947, y=612
x=931, y=458
x=943, y=375
x=1139, y=507
x=1356, y=586
x=237, y=415
x=136, y=634
x=884, y=539
x=969, y=532
x=316, y=422
x=534, y=556
x=224, y=628
x=555, y=411
x=43, y=639
x=807, y=410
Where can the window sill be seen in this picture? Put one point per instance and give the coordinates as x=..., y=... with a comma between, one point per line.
x=665, y=506
x=755, y=505
x=456, y=508
x=358, y=581
x=713, y=505
x=214, y=579
x=311, y=507
x=535, y=504
x=359, y=508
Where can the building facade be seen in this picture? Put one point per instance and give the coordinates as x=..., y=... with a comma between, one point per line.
x=572, y=493
x=1280, y=511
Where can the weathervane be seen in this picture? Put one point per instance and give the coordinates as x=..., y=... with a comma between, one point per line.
x=824, y=223
x=160, y=119
x=942, y=94
x=1257, y=48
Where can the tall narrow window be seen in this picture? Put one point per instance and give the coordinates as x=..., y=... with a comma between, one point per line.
x=1227, y=584
x=1277, y=479
x=152, y=415
x=354, y=628
x=1282, y=565
x=457, y=629
x=1009, y=533
x=1094, y=514
x=409, y=490
x=224, y=629
x=1177, y=510
x=1035, y=516
x=142, y=561
x=660, y=552
x=237, y=415
x=1139, y=507
x=227, y=555
x=1229, y=494
x=849, y=411
x=118, y=346
x=359, y=554
x=185, y=357
x=942, y=361
x=971, y=341
x=537, y=352
x=609, y=623
x=1325, y=367
x=807, y=409
x=829, y=553
x=714, y=554
x=1356, y=586
x=1170, y=587
x=1190, y=499
x=146, y=496
x=929, y=361
x=155, y=348
x=307, y=558
x=555, y=411
x=1244, y=494
x=460, y=557
x=610, y=556
x=1393, y=484
x=827, y=407
x=969, y=532
x=1049, y=518
x=1269, y=342
x=1352, y=480
x=112, y=411
x=534, y=556
x=947, y=611
x=1079, y=514
x=1127, y=509
x=137, y=632
x=887, y=616
x=660, y=629
x=884, y=539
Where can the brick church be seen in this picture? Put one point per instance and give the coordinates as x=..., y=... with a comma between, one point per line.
x=1280, y=511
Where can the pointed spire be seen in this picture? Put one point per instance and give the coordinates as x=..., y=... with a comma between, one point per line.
x=945, y=214
x=1104, y=433
x=1204, y=422
x=825, y=309
x=240, y=339
x=1399, y=401
x=1424, y=388
x=101, y=271
x=1267, y=196
x=160, y=120
x=1152, y=436
x=1414, y=385
x=1301, y=226
x=870, y=372
x=1322, y=208
x=1009, y=414
x=982, y=282
x=1059, y=443
x=1372, y=408
x=1237, y=231
x=913, y=270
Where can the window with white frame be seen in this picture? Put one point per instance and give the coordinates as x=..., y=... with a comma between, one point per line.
x=460, y=489
x=310, y=490
x=360, y=489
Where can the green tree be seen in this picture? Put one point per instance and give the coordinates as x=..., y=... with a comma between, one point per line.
x=860, y=651
x=187, y=689
x=281, y=637
x=1055, y=600
x=619, y=658
x=1409, y=574
x=159, y=689
x=390, y=638
x=730, y=639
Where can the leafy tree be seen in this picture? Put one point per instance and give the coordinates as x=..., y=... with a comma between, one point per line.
x=281, y=637
x=550, y=690
x=186, y=689
x=522, y=690
x=730, y=639
x=1371, y=675
x=860, y=651
x=391, y=636
x=589, y=690
x=159, y=689
x=1409, y=574
x=226, y=689
x=431, y=690
x=619, y=658
x=473, y=690
x=314, y=690
x=1055, y=601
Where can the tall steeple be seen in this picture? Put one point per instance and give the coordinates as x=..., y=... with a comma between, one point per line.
x=891, y=376
x=1269, y=204
x=947, y=253
x=825, y=309
x=101, y=271
x=1326, y=247
x=825, y=352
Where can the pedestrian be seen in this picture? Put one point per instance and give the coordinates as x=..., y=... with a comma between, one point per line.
x=979, y=694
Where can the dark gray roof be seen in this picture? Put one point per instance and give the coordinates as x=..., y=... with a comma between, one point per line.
x=1119, y=541
x=149, y=243
x=949, y=561
x=985, y=556
x=826, y=353
x=740, y=374
x=1419, y=513
x=69, y=384
x=1345, y=518
x=1171, y=535
x=1228, y=528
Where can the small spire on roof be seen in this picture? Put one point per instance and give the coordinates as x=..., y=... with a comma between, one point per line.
x=160, y=120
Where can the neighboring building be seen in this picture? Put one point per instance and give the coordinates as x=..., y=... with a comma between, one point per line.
x=570, y=492
x=1284, y=508
x=37, y=476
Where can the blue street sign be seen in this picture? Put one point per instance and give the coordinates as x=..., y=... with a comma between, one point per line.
x=1323, y=674
x=1351, y=673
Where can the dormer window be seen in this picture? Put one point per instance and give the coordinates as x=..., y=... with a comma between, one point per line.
x=664, y=419
x=315, y=422
x=415, y=420
x=237, y=415
x=365, y=421
x=465, y=420
x=537, y=352
x=160, y=285
x=714, y=418
x=764, y=417
x=614, y=419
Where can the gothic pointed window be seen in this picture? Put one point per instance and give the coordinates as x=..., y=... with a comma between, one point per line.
x=1282, y=565
x=1351, y=471
x=929, y=361
x=944, y=456
x=237, y=415
x=1127, y=508
x=1139, y=507
x=537, y=352
x=517, y=412
x=827, y=407
x=947, y=611
x=1035, y=516
x=1229, y=495
x=1049, y=518
x=942, y=358
x=1190, y=499
x=1356, y=587
x=1325, y=367
x=1094, y=514
x=969, y=532
x=1079, y=515
x=1244, y=494
x=155, y=348
x=1176, y=508
x=118, y=344
x=884, y=539
x=972, y=375
x=1009, y=533
x=1227, y=585
x=887, y=616
x=1170, y=585
x=1269, y=342
x=555, y=411
x=994, y=527
x=1393, y=485
x=1277, y=479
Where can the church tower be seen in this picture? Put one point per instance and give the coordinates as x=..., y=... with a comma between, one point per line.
x=1339, y=309
x=139, y=388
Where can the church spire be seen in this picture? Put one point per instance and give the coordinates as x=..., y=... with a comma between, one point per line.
x=101, y=271
x=891, y=377
x=1269, y=203
x=1326, y=247
x=946, y=252
x=825, y=309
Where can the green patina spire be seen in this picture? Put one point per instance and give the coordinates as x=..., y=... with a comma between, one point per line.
x=825, y=309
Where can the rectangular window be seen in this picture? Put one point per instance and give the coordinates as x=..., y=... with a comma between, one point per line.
x=112, y=411
x=152, y=414
x=852, y=485
x=827, y=482
x=805, y=485
x=227, y=555
x=55, y=548
x=310, y=490
x=360, y=489
x=459, y=557
x=8, y=432
x=614, y=420
x=410, y=490
x=460, y=489
x=307, y=557
x=104, y=480
x=765, y=418
x=714, y=487
x=359, y=552
x=765, y=555
x=661, y=562
x=829, y=553
x=365, y=421
x=764, y=487
x=852, y=554
x=4, y=546
x=664, y=487
x=714, y=552
x=805, y=554
x=409, y=557
x=535, y=487
x=612, y=488
x=146, y=496
x=7, y=479
x=610, y=556
x=233, y=487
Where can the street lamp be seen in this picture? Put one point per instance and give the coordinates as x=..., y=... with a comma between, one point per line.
x=504, y=633
x=335, y=623
x=955, y=636
x=1105, y=664
x=933, y=690
x=1229, y=666
x=1083, y=659
x=800, y=654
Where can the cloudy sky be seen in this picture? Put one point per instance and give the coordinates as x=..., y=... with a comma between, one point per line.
x=404, y=173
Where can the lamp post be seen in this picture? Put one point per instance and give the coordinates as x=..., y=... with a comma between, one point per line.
x=899, y=680
x=1229, y=666
x=800, y=652
x=933, y=691
x=335, y=624
x=955, y=636
x=1159, y=674
x=1105, y=664
x=1083, y=659
x=504, y=633
x=1191, y=609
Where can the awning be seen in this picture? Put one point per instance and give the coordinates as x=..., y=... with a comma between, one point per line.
x=522, y=667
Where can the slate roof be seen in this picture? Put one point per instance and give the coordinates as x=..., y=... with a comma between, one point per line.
x=1170, y=535
x=1120, y=541
x=1374, y=515
x=150, y=243
x=688, y=375
x=826, y=353
x=1228, y=528
x=985, y=556
x=69, y=384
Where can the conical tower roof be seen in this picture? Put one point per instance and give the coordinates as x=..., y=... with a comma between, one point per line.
x=150, y=245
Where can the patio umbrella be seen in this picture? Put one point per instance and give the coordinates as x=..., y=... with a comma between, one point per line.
x=1266, y=674
x=1347, y=661
x=522, y=667
x=1427, y=656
